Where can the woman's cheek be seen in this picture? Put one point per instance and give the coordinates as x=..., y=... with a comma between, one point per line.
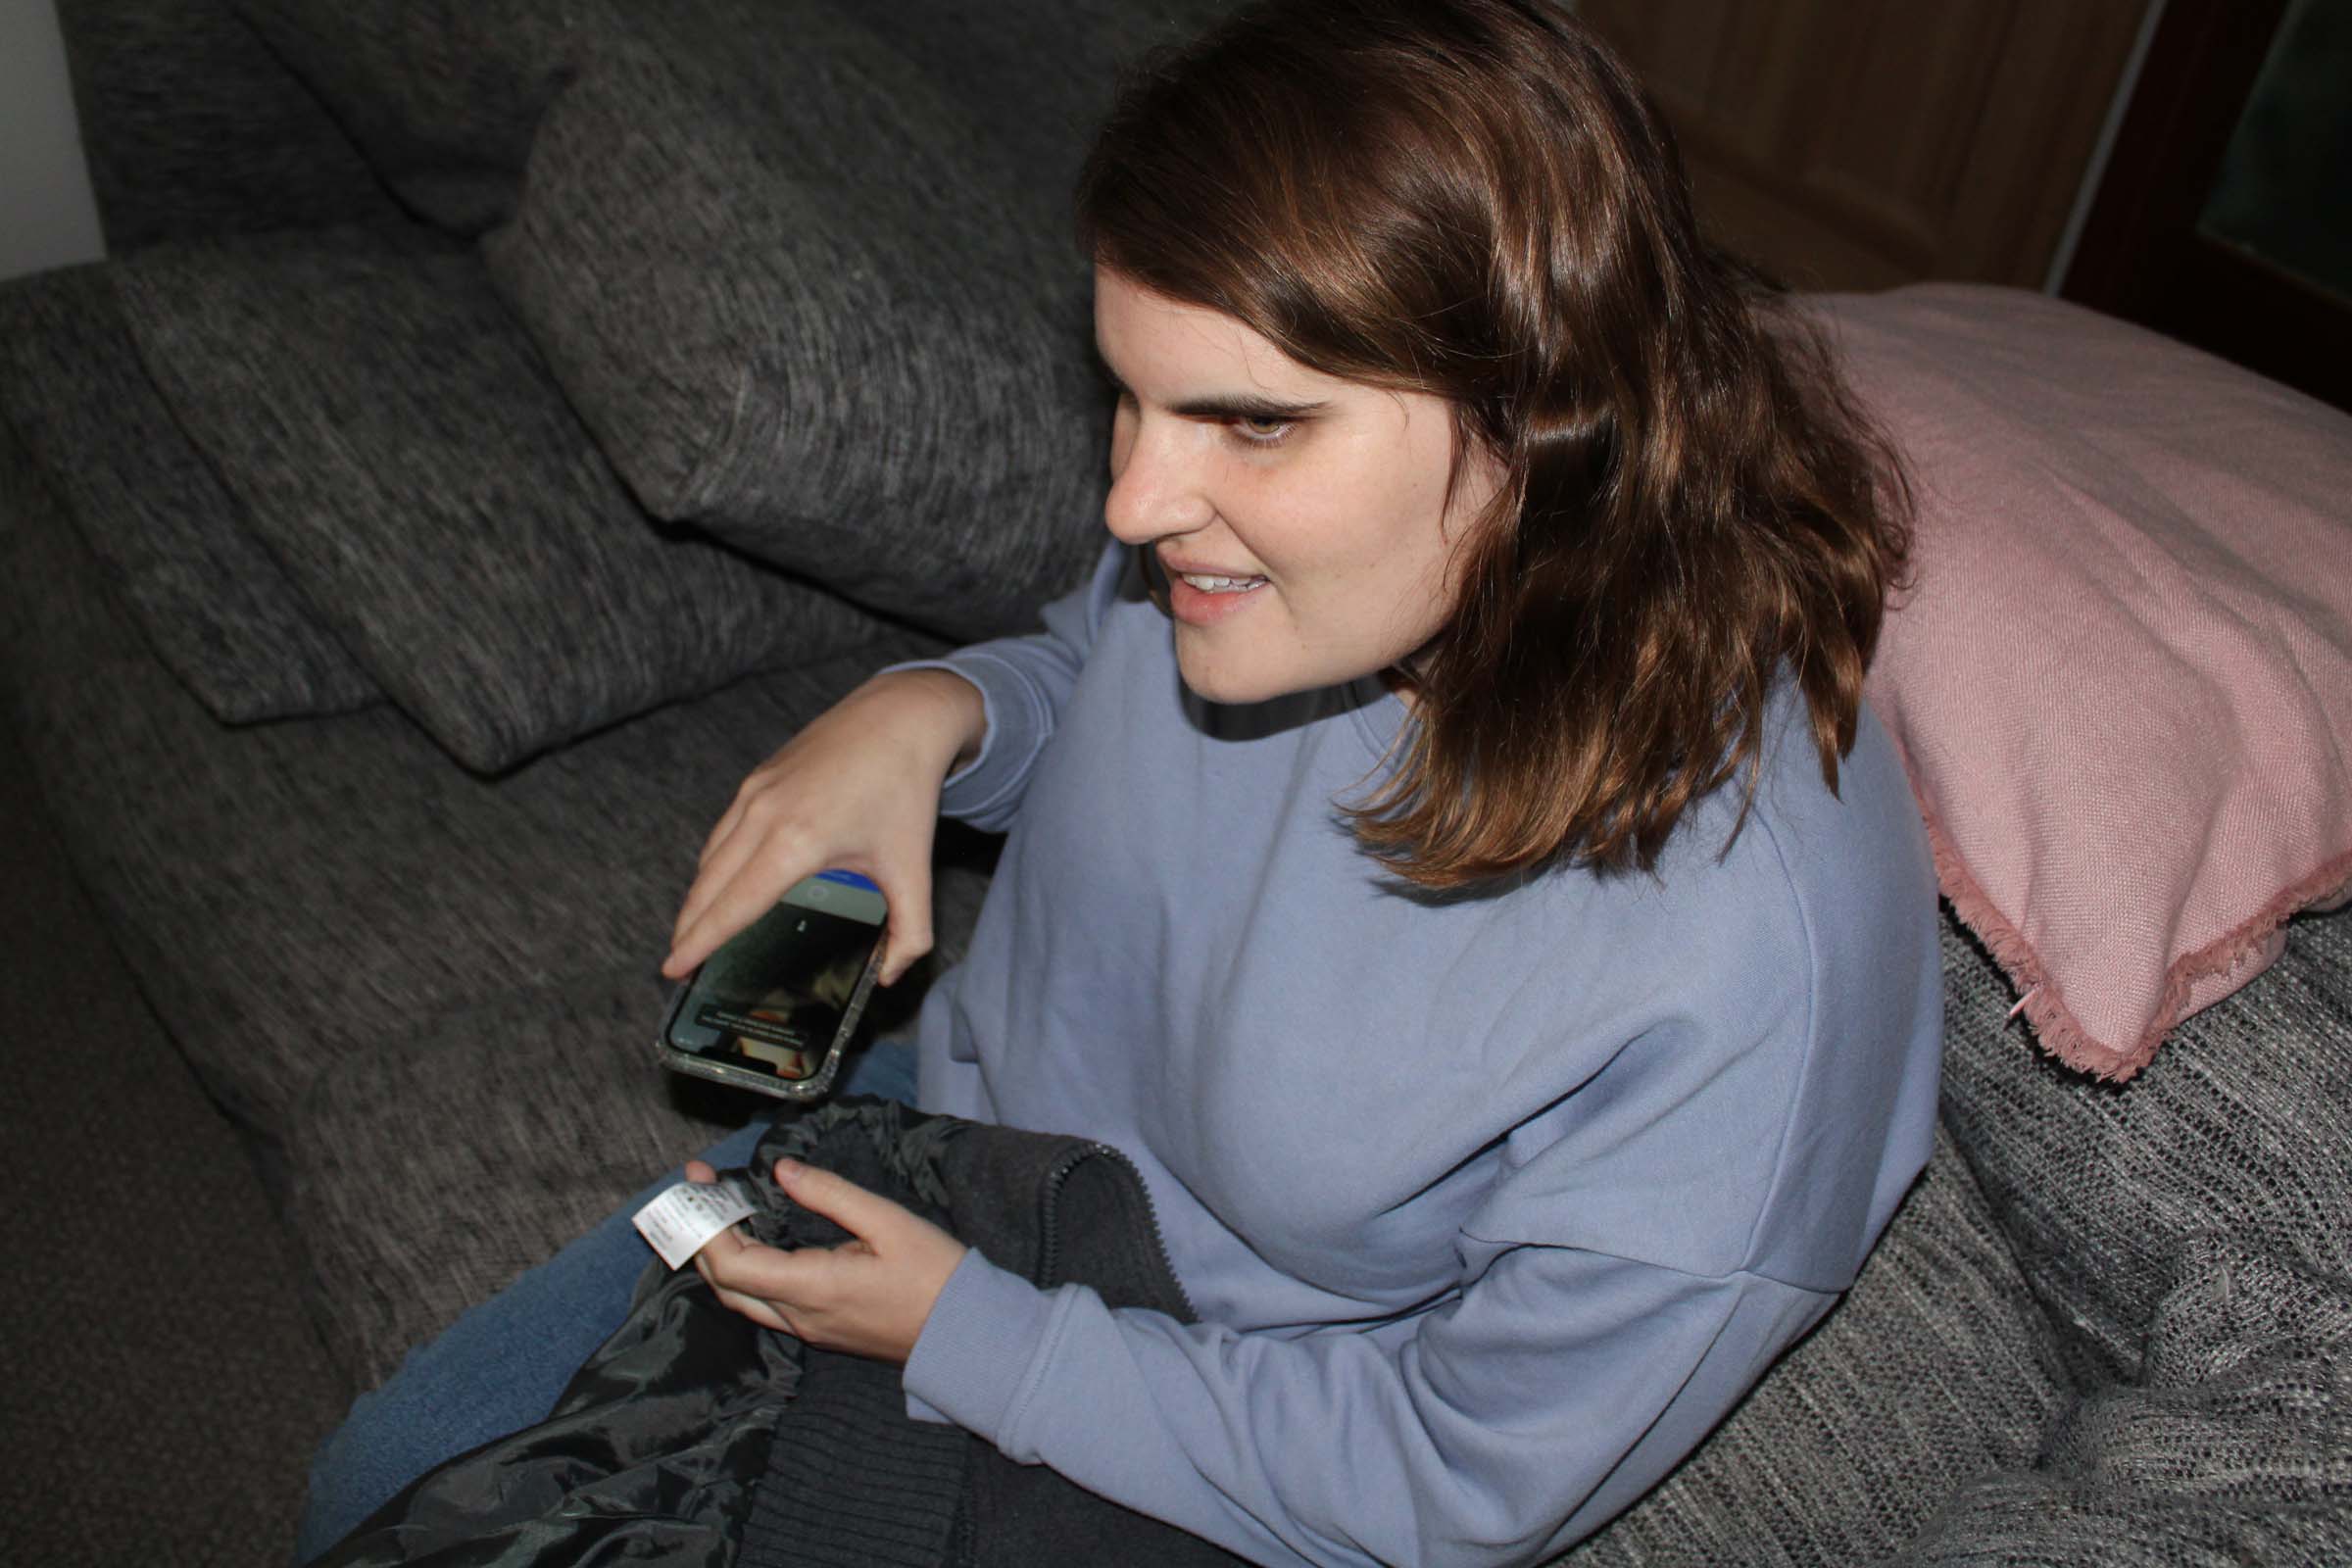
x=1122, y=439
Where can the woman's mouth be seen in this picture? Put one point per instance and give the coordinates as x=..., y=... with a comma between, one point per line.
x=1204, y=598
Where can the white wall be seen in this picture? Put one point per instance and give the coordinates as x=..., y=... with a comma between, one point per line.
x=46, y=216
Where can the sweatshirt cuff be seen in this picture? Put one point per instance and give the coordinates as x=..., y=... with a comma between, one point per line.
x=1017, y=723
x=974, y=1356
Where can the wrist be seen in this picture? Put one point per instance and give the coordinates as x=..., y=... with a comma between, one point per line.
x=955, y=716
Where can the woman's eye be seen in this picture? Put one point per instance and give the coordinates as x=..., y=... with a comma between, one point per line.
x=1261, y=432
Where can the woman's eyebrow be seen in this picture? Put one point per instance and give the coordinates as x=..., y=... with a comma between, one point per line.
x=1266, y=409
x=1238, y=405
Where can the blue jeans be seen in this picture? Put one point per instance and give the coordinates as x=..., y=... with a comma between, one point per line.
x=501, y=1367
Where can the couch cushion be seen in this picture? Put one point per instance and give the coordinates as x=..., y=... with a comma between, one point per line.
x=2233, y=1446
x=213, y=604
x=394, y=441
x=1938, y=1367
x=2241, y=1136
x=1036, y=79
x=2187, y=1234
x=2123, y=681
x=423, y=1180
x=442, y=98
x=540, y=1111
x=216, y=1403
x=294, y=897
x=193, y=129
x=775, y=271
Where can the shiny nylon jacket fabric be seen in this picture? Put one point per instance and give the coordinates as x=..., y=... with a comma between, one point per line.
x=662, y=1449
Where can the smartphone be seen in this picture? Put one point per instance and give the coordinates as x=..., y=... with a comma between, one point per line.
x=774, y=1007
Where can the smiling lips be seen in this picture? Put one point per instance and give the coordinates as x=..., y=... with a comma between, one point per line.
x=1206, y=598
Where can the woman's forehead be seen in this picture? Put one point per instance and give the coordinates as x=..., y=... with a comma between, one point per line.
x=1150, y=341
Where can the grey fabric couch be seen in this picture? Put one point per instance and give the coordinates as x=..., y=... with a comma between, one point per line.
x=499, y=428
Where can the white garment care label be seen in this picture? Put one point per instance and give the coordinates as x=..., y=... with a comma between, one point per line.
x=681, y=1221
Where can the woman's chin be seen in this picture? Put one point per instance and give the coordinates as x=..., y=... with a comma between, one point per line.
x=1225, y=680
x=1214, y=673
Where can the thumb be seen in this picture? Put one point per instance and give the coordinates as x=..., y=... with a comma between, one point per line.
x=906, y=889
x=866, y=1215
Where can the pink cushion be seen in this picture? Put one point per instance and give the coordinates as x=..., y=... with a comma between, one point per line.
x=2122, y=680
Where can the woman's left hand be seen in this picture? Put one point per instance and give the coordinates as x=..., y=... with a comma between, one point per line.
x=869, y=1297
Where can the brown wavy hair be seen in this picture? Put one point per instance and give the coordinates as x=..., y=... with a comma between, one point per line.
x=1474, y=199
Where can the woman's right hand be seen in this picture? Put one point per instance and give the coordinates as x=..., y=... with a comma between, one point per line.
x=858, y=789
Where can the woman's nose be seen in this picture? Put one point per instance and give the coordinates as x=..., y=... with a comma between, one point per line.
x=1156, y=483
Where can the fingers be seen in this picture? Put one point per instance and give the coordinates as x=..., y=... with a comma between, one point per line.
x=907, y=937
x=751, y=1307
x=732, y=817
x=749, y=895
x=777, y=1278
x=722, y=1255
x=871, y=1296
x=859, y=789
x=734, y=888
x=764, y=1314
x=712, y=914
x=722, y=837
x=772, y=1288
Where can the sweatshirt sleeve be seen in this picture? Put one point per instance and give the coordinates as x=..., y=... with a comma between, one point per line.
x=1023, y=682
x=1495, y=1427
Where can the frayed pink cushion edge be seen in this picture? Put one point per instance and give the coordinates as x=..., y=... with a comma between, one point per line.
x=2060, y=1033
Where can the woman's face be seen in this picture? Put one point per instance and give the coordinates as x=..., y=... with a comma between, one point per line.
x=1302, y=519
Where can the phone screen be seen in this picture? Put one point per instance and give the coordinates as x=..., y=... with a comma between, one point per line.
x=777, y=998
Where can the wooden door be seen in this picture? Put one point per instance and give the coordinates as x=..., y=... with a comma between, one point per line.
x=2147, y=254
x=1857, y=144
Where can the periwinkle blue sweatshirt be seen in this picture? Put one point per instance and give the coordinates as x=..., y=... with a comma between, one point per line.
x=1491, y=1206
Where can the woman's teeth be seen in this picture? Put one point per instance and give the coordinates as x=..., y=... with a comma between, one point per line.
x=1222, y=585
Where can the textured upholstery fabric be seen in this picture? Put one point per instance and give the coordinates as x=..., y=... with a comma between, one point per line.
x=441, y=97
x=2105, y=1194
x=563, y=1113
x=394, y=441
x=770, y=265
x=2126, y=1340
x=293, y=897
x=2110, y=1327
x=2123, y=681
x=544, y=1109
x=1034, y=80
x=2186, y=1234
x=213, y=604
x=213, y=1401
x=1937, y=1368
x=193, y=127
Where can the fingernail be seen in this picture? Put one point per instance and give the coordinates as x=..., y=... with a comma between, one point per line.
x=788, y=1170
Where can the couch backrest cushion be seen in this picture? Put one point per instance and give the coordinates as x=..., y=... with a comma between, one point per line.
x=1035, y=77
x=396, y=445
x=776, y=271
x=442, y=96
x=2108, y=1193
x=215, y=606
x=2123, y=679
x=2186, y=1234
x=194, y=127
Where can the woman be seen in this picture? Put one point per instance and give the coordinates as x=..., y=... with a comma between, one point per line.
x=1447, y=850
